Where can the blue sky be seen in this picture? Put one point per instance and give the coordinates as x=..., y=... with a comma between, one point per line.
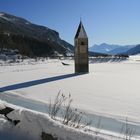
x=105, y=21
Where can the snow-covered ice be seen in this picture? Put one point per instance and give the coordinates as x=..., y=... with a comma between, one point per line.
x=110, y=90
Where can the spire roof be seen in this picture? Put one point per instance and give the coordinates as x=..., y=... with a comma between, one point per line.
x=81, y=33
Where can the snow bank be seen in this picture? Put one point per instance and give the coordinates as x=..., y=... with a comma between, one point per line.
x=32, y=124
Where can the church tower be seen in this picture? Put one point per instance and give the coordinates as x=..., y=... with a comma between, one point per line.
x=81, y=50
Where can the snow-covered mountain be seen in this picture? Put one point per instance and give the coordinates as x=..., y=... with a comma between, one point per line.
x=29, y=38
x=110, y=48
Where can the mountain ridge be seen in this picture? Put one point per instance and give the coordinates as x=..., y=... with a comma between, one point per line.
x=111, y=49
x=16, y=27
x=134, y=51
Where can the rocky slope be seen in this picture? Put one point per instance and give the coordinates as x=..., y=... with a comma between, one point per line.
x=29, y=38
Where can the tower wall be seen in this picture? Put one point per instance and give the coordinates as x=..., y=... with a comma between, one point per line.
x=81, y=55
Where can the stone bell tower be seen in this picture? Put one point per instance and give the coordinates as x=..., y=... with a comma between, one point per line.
x=81, y=50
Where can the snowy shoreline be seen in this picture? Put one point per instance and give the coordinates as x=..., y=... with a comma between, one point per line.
x=33, y=123
x=107, y=121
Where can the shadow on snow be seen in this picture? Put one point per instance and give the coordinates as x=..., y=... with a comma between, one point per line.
x=36, y=82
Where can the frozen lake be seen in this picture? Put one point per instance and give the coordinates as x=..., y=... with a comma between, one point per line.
x=110, y=90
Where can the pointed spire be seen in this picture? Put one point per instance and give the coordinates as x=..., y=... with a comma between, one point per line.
x=81, y=33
